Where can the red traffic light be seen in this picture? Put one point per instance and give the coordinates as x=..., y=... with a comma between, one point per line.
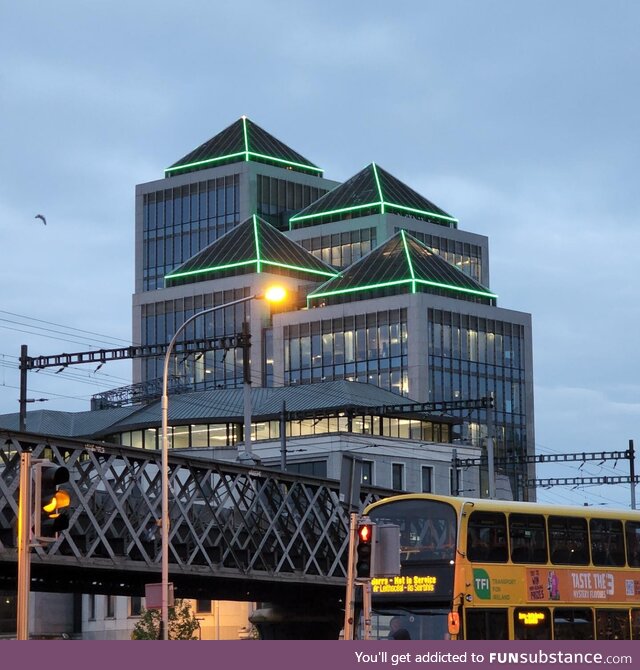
x=365, y=558
x=364, y=533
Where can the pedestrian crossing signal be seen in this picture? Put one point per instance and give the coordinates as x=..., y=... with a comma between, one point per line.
x=365, y=550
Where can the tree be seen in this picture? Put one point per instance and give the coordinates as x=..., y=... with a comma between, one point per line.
x=182, y=623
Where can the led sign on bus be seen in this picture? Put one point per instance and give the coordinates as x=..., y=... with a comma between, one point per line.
x=531, y=618
x=405, y=584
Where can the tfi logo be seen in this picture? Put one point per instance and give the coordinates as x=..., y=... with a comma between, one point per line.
x=481, y=584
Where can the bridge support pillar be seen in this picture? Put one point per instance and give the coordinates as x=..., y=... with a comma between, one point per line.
x=286, y=622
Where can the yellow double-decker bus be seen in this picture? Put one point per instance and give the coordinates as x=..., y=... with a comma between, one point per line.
x=493, y=570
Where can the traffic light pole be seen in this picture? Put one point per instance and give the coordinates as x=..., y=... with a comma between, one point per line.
x=24, y=546
x=366, y=609
x=349, y=605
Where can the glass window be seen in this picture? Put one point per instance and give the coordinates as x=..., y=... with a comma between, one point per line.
x=110, y=607
x=135, y=606
x=406, y=624
x=489, y=624
x=635, y=624
x=367, y=473
x=180, y=437
x=397, y=476
x=427, y=529
x=427, y=479
x=612, y=625
x=607, y=542
x=200, y=435
x=528, y=538
x=568, y=540
x=572, y=624
x=487, y=537
x=203, y=606
x=150, y=435
x=311, y=468
x=532, y=624
x=632, y=530
x=218, y=436
x=92, y=607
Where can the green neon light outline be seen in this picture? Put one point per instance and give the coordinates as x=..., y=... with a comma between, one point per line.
x=382, y=203
x=462, y=289
x=408, y=255
x=375, y=174
x=334, y=211
x=286, y=162
x=257, y=239
x=301, y=269
x=204, y=162
x=228, y=266
x=246, y=138
x=259, y=263
x=423, y=211
x=370, y=287
x=246, y=155
x=352, y=289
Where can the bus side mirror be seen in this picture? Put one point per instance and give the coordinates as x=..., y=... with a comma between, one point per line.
x=453, y=620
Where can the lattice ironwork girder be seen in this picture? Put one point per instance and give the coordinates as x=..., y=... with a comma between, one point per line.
x=183, y=347
x=548, y=458
x=400, y=409
x=255, y=523
x=580, y=481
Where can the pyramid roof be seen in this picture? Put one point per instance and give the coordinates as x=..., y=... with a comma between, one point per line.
x=243, y=140
x=252, y=246
x=405, y=265
x=371, y=191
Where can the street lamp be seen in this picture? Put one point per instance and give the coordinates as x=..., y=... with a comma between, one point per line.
x=272, y=294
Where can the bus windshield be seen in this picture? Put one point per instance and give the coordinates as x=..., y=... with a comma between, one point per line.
x=409, y=623
x=427, y=529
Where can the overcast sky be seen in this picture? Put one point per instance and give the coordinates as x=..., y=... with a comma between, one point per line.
x=520, y=119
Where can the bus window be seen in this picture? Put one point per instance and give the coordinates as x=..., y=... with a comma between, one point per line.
x=528, y=538
x=632, y=529
x=612, y=625
x=568, y=540
x=635, y=624
x=396, y=623
x=489, y=624
x=572, y=624
x=532, y=624
x=607, y=542
x=487, y=537
x=427, y=529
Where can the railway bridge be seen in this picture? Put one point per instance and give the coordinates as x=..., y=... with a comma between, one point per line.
x=237, y=532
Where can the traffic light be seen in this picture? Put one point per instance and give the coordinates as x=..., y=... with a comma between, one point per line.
x=365, y=553
x=50, y=501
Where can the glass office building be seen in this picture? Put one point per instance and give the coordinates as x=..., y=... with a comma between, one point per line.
x=386, y=287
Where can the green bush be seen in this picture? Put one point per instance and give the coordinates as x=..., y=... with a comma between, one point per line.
x=182, y=623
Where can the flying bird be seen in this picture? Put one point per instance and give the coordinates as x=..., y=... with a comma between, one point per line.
x=40, y=216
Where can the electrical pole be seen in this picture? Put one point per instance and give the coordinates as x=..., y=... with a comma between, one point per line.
x=246, y=389
x=23, y=388
x=632, y=473
x=24, y=546
x=283, y=437
x=455, y=488
x=491, y=467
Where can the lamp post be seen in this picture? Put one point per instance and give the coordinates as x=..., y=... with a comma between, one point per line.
x=273, y=294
